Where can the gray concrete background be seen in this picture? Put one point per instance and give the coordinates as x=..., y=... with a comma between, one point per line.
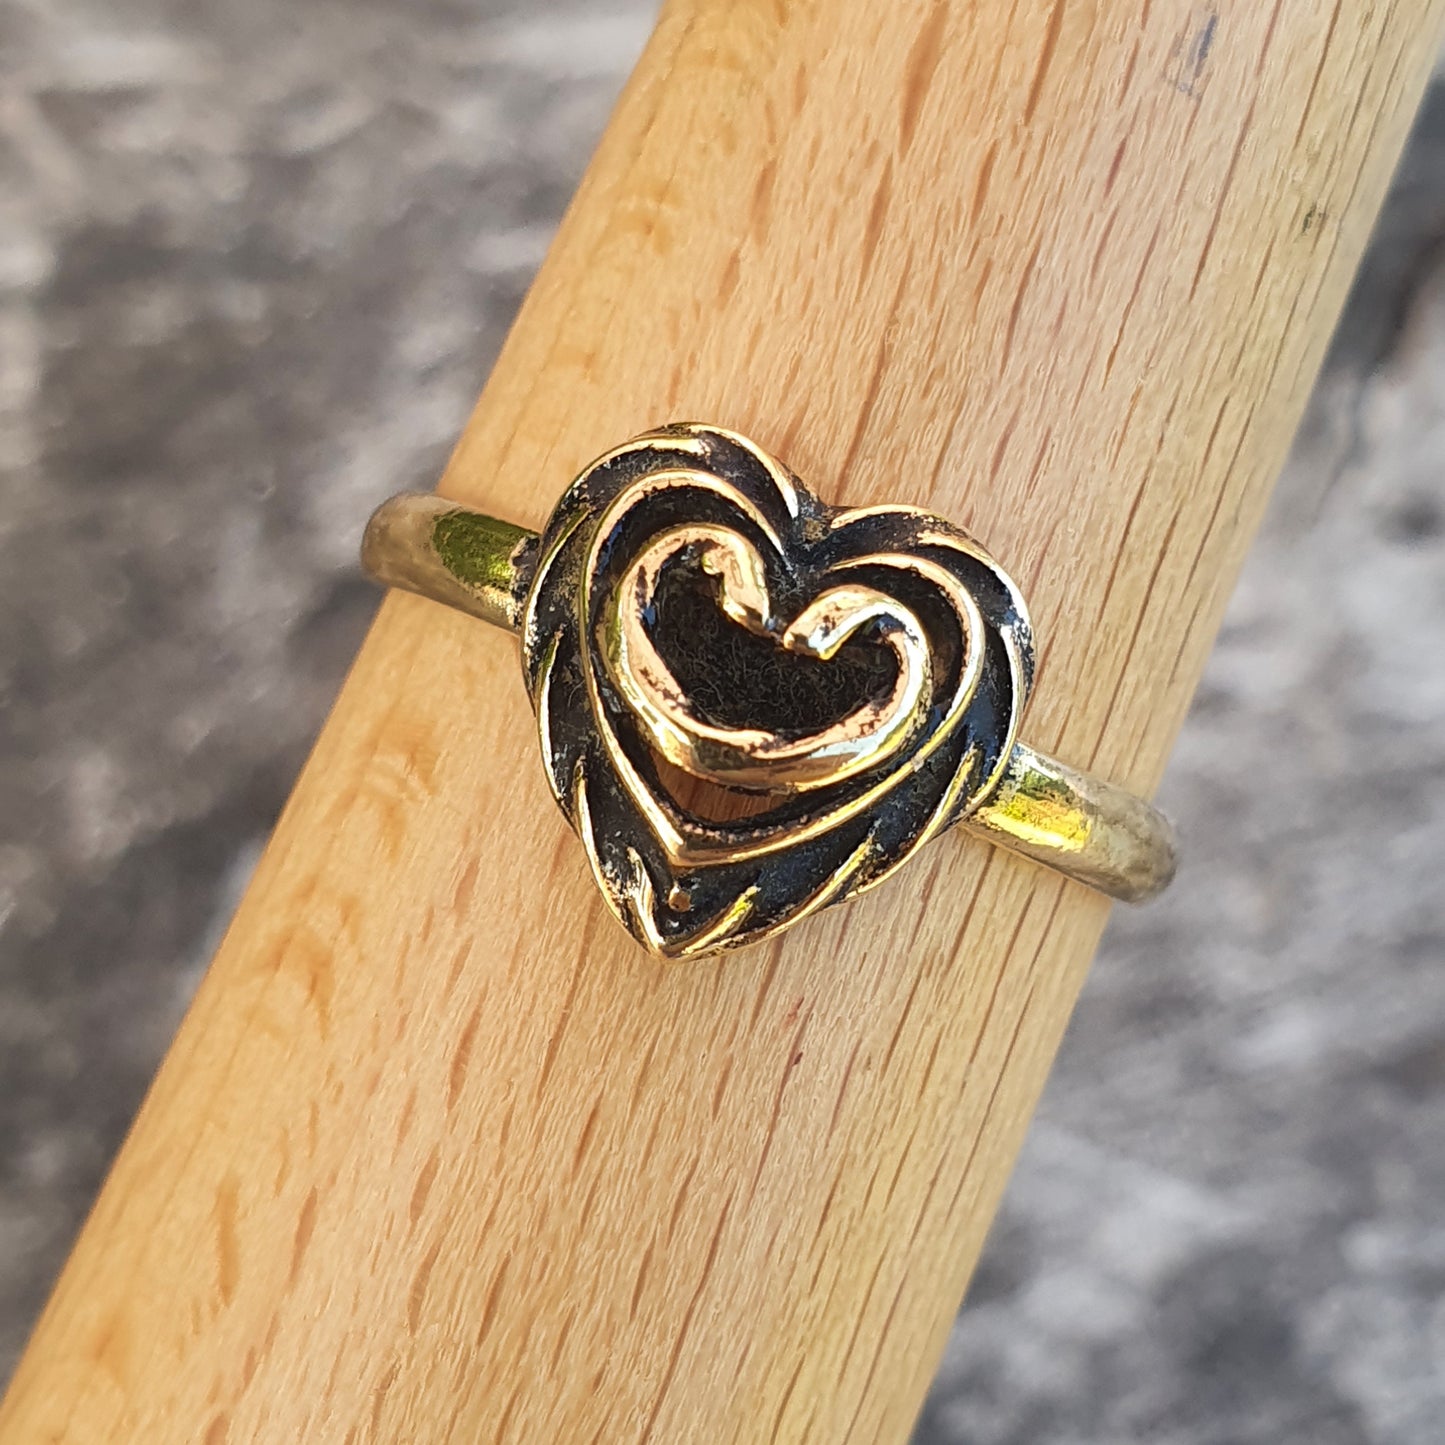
x=255, y=260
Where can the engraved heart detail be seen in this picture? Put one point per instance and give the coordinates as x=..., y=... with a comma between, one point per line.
x=694, y=607
x=769, y=756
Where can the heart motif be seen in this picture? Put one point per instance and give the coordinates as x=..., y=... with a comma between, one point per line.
x=858, y=674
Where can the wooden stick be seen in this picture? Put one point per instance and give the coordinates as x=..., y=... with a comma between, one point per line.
x=439, y=1154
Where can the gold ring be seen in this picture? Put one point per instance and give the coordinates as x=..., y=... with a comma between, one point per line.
x=752, y=705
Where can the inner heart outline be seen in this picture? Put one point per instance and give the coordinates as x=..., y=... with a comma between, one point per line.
x=755, y=758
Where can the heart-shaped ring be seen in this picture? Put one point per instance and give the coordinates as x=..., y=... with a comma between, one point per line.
x=752, y=705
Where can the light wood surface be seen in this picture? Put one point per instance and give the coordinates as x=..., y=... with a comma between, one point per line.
x=439, y=1154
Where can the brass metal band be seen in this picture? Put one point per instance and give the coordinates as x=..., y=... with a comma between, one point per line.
x=1086, y=828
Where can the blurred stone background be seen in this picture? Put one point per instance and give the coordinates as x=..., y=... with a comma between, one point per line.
x=255, y=260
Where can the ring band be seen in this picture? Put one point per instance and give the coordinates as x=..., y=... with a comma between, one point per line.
x=752, y=705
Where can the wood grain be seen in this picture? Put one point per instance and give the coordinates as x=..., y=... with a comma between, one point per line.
x=438, y=1153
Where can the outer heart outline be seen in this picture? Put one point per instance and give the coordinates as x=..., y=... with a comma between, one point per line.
x=684, y=885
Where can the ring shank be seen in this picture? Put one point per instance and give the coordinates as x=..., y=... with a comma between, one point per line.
x=422, y=543
x=1088, y=829
x=1080, y=825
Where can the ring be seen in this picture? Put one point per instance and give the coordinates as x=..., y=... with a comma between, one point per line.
x=752, y=705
